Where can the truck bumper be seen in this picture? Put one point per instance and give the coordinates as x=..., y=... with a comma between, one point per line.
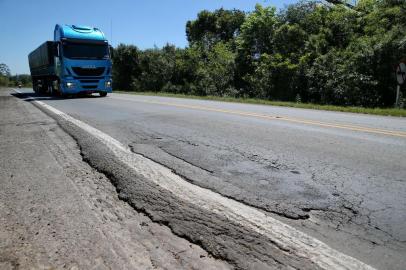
x=88, y=85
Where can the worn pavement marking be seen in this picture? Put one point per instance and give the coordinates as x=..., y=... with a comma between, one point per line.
x=281, y=118
x=284, y=235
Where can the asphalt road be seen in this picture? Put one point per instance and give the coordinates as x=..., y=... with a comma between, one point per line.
x=56, y=212
x=339, y=177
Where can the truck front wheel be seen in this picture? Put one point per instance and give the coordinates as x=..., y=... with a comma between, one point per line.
x=103, y=94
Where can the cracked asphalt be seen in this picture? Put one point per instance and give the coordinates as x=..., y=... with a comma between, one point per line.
x=344, y=186
x=56, y=212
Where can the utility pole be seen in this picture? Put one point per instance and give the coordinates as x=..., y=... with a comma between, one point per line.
x=397, y=105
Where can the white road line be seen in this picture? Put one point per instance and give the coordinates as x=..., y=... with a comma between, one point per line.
x=284, y=235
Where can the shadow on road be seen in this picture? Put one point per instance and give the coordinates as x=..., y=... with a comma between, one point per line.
x=30, y=96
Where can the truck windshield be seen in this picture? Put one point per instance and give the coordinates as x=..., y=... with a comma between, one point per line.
x=85, y=51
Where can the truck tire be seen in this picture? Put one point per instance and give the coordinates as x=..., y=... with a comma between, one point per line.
x=103, y=94
x=43, y=89
x=55, y=88
x=52, y=91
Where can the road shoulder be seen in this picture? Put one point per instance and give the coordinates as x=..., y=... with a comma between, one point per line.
x=58, y=212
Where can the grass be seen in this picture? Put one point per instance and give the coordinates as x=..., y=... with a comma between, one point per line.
x=374, y=111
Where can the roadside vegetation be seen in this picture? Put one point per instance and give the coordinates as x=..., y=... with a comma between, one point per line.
x=310, y=54
x=6, y=79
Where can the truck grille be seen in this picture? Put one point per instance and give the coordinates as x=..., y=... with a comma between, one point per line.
x=89, y=86
x=88, y=71
x=89, y=81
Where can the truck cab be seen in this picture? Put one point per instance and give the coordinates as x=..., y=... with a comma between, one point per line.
x=82, y=60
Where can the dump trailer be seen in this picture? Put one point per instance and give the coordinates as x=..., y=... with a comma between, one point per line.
x=76, y=61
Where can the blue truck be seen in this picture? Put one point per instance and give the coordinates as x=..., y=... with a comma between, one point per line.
x=77, y=61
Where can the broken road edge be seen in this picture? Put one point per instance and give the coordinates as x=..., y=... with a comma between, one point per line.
x=242, y=235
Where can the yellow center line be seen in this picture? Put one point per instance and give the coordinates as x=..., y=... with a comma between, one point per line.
x=281, y=118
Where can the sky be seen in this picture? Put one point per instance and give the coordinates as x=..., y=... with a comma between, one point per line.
x=24, y=25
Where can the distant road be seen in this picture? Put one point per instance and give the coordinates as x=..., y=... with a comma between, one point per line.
x=340, y=177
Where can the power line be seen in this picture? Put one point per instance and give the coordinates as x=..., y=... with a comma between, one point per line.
x=342, y=2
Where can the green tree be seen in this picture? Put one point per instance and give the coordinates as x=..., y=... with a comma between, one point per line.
x=162, y=70
x=256, y=38
x=257, y=32
x=126, y=66
x=4, y=70
x=4, y=74
x=335, y=78
x=384, y=28
x=212, y=27
x=215, y=71
x=274, y=77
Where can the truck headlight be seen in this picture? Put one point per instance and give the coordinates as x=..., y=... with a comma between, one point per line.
x=108, y=84
x=70, y=84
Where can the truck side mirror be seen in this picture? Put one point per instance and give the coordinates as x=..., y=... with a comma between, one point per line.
x=111, y=49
